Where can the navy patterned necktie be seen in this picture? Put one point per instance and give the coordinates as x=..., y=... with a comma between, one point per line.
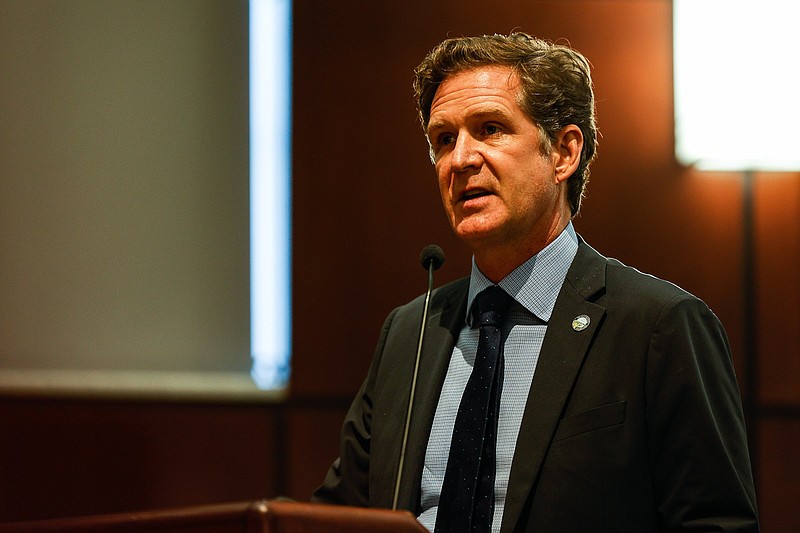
x=466, y=502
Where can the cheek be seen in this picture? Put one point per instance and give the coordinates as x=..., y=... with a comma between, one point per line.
x=443, y=180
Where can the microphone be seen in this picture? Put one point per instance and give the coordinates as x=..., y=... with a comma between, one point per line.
x=431, y=258
x=431, y=255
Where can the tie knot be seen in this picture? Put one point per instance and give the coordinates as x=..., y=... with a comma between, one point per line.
x=490, y=306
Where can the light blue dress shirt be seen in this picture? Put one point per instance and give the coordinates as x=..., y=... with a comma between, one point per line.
x=534, y=285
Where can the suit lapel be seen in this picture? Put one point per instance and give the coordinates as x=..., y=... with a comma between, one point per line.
x=562, y=354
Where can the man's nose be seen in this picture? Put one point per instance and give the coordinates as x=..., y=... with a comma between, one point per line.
x=466, y=153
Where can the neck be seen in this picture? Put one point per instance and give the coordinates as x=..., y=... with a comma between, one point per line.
x=498, y=261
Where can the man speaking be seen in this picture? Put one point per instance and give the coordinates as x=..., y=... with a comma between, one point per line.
x=558, y=390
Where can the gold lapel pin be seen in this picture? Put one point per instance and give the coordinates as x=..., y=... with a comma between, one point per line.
x=581, y=322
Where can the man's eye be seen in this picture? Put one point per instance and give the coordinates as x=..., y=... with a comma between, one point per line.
x=446, y=138
x=491, y=129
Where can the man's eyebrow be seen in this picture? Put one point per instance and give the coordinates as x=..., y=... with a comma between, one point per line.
x=489, y=113
x=434, y=124
x=495, y=113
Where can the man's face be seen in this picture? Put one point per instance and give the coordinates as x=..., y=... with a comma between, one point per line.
x=497, y=187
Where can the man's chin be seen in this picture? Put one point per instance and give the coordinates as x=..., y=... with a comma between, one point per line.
x=476, y=236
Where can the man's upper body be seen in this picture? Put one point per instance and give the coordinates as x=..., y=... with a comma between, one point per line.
x=632, y=423
x=632, y=419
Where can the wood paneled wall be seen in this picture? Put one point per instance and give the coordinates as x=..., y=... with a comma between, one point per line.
x=365, y=203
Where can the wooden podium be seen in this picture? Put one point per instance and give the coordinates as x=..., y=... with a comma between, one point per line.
x=247, y=517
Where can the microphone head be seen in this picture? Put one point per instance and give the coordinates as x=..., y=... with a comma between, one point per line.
x=431, y=255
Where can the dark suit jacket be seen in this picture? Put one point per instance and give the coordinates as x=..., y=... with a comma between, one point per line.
x=632, y=424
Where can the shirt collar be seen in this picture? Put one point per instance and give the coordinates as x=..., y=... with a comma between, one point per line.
x=535, y=284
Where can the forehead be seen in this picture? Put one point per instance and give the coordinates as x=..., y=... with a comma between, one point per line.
x=477, y=90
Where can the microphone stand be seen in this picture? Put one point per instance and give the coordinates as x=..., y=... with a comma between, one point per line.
x=432, y=264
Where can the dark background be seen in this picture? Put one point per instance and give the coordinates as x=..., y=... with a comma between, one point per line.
x=365, y=202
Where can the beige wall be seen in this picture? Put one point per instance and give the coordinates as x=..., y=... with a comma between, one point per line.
x=123, y=185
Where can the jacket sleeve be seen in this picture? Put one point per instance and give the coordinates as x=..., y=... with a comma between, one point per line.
x=347, y=480
x=696, y=431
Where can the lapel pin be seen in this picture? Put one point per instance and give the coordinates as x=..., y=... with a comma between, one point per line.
x=580, y=322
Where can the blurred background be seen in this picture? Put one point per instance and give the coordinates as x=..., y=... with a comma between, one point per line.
x=124, y=224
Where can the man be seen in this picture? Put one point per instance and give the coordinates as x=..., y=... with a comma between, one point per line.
x=618, y=408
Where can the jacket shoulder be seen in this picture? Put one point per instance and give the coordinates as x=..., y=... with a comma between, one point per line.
x=597, y=277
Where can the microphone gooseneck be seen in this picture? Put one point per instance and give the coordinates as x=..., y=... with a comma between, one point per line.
x=431, y=258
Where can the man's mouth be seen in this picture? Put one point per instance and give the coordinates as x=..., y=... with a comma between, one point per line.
x=474, y=193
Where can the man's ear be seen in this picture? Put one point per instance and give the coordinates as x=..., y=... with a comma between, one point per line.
x=567, y=151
